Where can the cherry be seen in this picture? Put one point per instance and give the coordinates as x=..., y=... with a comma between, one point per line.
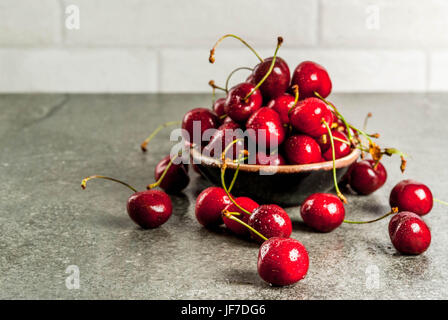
x=410, y=195
x=323, y=212
x=238, y=107
x=149, y=209
x=311, y=77
x=277, y=82
x=325, y=142
x=302, y=149
x=246, y=203
x=265, y=126
x=409, y=233
x=176, y=178
x=308, y=114
x=271, y=221
x=282, y=105
x=225, y=134
x=366, y=176
x=341, y=149
x=209, y=205
x=282, y=261
x=219, y=107
x=205, y=117
x=261, y=158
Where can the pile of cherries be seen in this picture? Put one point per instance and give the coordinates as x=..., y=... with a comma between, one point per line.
x=300, y=127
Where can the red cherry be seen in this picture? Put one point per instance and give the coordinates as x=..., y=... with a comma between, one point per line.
x=261, y=158
x=265, y=126
x=236, y=227
x=219, y=107
x=307, y=117
x=340, y=149
x=409, y=233
x=302, y=149
x=323, y=211
x=365, y=178
x=410, y=195
x=282, y=262
x=271, y=221
x=206, y=118
x=325, y=142
x=277, y=82
x=311, y=77
x=238, y=108
x=149, y=209
x=282, y=105
x=225, y=134
x=209, y=205
x=176, y=178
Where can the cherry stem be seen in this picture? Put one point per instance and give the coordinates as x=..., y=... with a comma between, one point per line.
x=393, y=211
x=295, y=89
x=153, y=134
x=333, y=154
x=240, y=158
x=366, y=119
x=360, y=147
x=231, y=74
x=84, y=181
x=271, y=67
x=441, y=201
x=231, y=215
x=213, y=96
x=212, y=84
x=403, y=156
x=158, y=182
x=211, y=58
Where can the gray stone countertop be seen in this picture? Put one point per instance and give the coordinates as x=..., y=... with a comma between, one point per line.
x=48, y=143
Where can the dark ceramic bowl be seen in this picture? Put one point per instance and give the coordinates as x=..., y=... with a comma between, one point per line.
x=284, y=185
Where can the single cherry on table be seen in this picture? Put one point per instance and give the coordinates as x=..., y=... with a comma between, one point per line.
x=323, y=212
x=409, y=233
x=366, y=176
x=271, y=221
x=176, y=177
x=209, y=206
x=411, y=195
x=234, y=226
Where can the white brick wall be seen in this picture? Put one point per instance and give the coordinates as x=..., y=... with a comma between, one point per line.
x=152, y=46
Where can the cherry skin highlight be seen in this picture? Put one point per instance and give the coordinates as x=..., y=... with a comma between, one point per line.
x=311, y=77
x=282, y=261
x=271, y=221
x=265, y=126
x=302, y=149
x=237, y=228
x=149, y=209
x=307, y=117
x=240, y=109
x=282, y=105
x=323, y=212
x=277, y=82
x=409, y=233
x=411, y=195
x=176, y=178
x=205, y=117
x=364, y=178
x=209, y=205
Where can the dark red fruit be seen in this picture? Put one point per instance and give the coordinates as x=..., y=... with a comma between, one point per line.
x=307, y=117
x=261, y=158
x=341, y=149
x=277, y=82
x=271, y=221
x=311, y=77
x=282, y=262
x=409, y=233
x=323, y=212
x=209, y=206
x=240, y=109
x=237, y=228
x=365, y=178
x=282, y=105
x=149, y=209
x=265, y=126
x=219, y=107
x=206, y=118
x=222, y=137
x=176, y=178
x=410, y=195
x=302, y=149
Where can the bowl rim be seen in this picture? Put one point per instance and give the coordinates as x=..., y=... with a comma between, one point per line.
x=290, y=168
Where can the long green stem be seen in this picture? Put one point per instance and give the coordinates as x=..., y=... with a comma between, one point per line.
x=231, y=74
x=440, y=201
x=153, y=134
x=230, y=215
x=158, y=182
x=211, y=58
x=84, y=181
x=393, y=211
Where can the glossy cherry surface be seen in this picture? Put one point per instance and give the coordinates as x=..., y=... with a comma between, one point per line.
x=205, y=117
x=325, y=142
x=311, y=77
x=341, y=149
x=149, y=209
x=302, y=149
x=365, y=178
x=282, y=105
x=411, y=195
x=240, y=109
x=323, y=212
x=176, y=178
x=271, y=221
x=265, y=126
x=237, y=228
x=282, y=261
x=307, y=117
x=277, y=82
x=209, y=206
x=409, y=233
x=219, y=107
